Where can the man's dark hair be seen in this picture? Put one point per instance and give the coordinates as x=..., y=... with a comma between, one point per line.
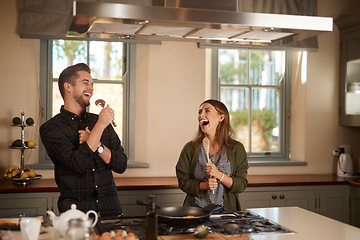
x=69, y=75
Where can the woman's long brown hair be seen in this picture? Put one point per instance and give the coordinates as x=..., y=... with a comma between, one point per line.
x=223, y=130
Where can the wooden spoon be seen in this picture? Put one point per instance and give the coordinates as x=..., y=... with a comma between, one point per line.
x=206, y=144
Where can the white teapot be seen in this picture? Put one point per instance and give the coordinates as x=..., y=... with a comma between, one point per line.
x=61, y=223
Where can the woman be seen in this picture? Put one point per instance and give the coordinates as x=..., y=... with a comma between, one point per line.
x=219, y=181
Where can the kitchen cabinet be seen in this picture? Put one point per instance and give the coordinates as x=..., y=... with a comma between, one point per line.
x=333, y=202
x=278, y=197
x=355, y=207
x=330, y=201
x=29, y=203
x=349, y=87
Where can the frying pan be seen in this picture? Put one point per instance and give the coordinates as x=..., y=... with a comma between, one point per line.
x=181, y=216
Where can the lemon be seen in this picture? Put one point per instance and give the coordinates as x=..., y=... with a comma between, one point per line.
x=31, y=143
x=201, y=232
x=24, y=175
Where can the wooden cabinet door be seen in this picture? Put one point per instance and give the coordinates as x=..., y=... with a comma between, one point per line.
x=304, y=199
x=284, y=197
x=355, y=207
x=24, y=203
x=334, y=203
x=258, y=200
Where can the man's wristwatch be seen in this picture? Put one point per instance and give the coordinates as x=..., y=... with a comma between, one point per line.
x=100, y=149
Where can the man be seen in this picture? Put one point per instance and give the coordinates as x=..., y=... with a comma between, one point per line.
x=83, y=147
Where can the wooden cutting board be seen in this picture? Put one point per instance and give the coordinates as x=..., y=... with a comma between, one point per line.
x=217, y=236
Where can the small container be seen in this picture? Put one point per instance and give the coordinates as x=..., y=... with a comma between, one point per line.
x=79, y=229
x=151, y=220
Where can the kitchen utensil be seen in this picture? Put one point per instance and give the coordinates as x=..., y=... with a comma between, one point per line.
x=180, y=216
x=101, y=103
x=206, y=144
x=183, y=216
x=61, y=223
x=345, y=166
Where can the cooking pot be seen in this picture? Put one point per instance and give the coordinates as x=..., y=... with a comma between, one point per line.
x=181, y=216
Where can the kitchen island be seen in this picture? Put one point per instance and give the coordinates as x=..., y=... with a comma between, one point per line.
x=305, y=224
x=328, y=195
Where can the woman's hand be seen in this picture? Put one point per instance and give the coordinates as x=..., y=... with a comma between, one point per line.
x=83, y=135
x=212, y=171
x=212, y=184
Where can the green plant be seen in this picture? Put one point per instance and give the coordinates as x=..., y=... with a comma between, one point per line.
x=264, y=119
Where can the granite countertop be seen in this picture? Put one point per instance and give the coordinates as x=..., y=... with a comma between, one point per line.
x=142, y=183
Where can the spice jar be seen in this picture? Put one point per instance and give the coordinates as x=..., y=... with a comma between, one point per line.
x=79, y=229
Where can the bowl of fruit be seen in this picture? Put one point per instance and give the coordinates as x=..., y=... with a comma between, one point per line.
x=21, y=177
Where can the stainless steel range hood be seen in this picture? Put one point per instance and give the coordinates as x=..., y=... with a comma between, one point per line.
x=180, y=22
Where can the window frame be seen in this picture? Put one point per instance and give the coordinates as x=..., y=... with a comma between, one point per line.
x=46, y=88
x=265, y=159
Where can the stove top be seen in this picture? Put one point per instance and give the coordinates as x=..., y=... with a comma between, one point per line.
x=241, y=222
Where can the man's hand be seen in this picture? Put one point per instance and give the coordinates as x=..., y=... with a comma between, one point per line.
x=83, y=135
x=106, y=116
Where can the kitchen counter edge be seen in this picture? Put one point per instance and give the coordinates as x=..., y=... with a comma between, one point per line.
x=143, y=183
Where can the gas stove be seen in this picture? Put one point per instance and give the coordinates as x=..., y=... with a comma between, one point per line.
x=236, y=223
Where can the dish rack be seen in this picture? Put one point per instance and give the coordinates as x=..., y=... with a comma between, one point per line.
x=22, y=148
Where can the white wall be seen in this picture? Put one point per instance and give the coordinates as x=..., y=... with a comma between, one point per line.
x=170, y=85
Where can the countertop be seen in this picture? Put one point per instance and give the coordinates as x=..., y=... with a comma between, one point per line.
x=306, y=225
x=143, y=183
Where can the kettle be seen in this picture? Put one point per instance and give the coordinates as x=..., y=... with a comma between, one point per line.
x=61, y=223
x=345, y=165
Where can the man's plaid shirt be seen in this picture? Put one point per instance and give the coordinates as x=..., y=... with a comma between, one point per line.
x=81, y=175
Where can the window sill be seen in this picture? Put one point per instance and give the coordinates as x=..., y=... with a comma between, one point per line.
x=137, y=165
x=275, y=163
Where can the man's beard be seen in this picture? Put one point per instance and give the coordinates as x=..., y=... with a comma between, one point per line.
x=81, y=101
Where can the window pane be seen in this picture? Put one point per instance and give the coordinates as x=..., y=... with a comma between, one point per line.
x=113, y=95
x=66, y=53
x=106, y=60
x=232, y=66
x=57, y=101
x=267, y=67
x=265, y=120
x=237, y=102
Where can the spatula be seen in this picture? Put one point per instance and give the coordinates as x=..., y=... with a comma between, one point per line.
x=206, y=144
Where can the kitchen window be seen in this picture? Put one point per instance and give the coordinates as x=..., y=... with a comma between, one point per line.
x=254, y=85
x=110, y=70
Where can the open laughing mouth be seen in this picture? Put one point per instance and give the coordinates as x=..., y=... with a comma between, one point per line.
x=204, y=122
x=87, y=95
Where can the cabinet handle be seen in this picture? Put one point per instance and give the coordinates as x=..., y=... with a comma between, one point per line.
x=282, y=196
x=274, y=197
